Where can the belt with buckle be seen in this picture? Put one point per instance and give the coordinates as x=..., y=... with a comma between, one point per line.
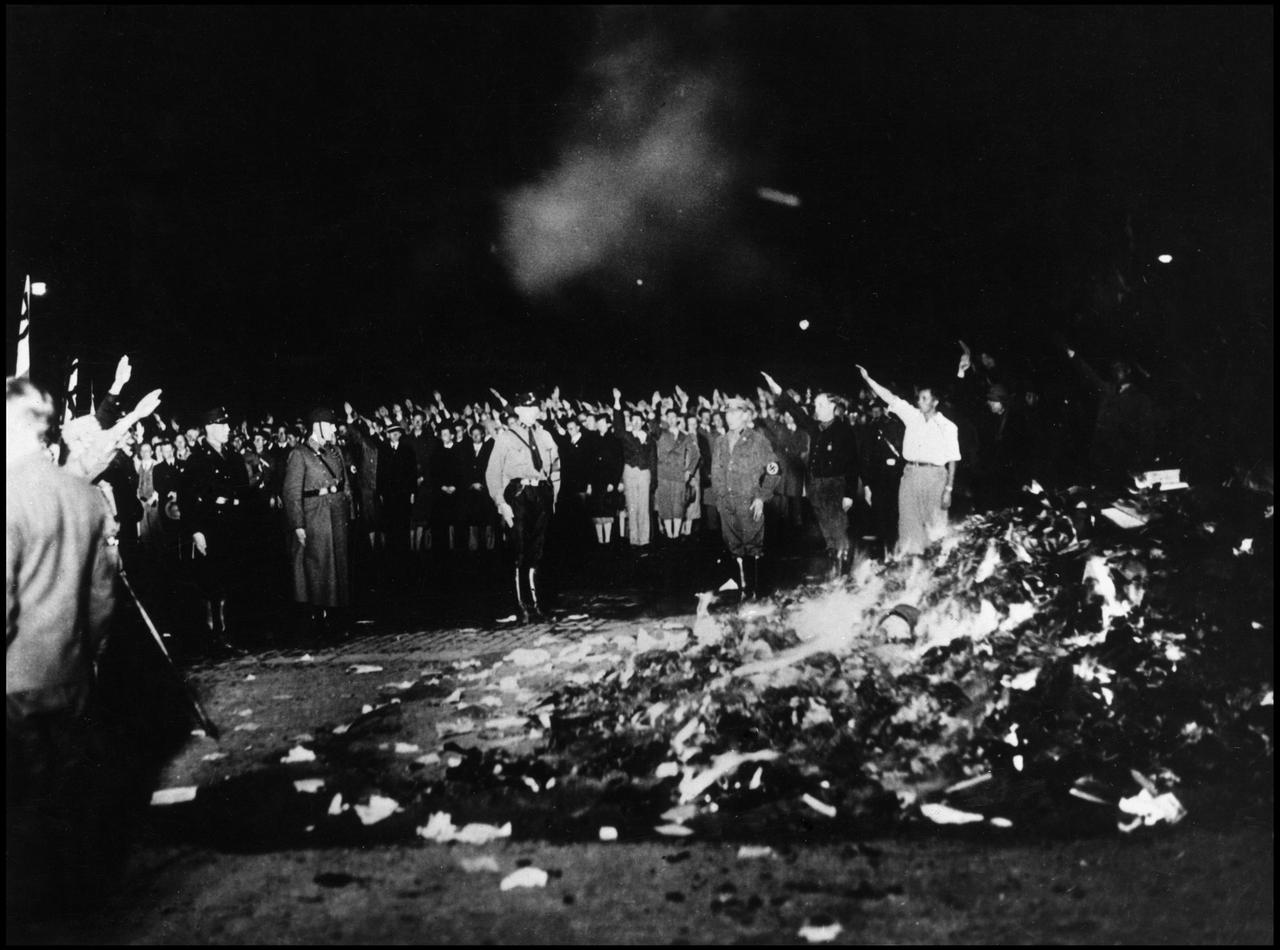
x=327, y=490
x=223, y=500
x=532, y=481
x=926, y=464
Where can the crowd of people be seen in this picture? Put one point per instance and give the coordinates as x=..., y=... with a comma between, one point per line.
x=410, y=487
x=204, y=510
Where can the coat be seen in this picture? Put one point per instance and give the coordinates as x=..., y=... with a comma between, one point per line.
x=747, y=473
x=321, y=572
x=60, y=575
x=678, y=457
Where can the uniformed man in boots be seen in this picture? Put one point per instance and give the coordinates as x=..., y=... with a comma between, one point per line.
x=217, y=489
x=318, y=506
x=744, y=475
x=523, y=479
x=833, y=469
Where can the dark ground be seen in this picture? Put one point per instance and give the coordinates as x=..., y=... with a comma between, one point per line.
x=220, y=870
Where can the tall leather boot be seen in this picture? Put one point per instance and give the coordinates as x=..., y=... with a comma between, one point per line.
x=742, y=581
x=522, y=612
x=216, y=621
x=839, y=563
x=535, y=613
x=753, y=577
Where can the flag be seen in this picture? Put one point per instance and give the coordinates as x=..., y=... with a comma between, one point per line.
x=73, y=383
x=22, y=367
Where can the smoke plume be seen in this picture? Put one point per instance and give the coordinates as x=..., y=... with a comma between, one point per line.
x=641, y=175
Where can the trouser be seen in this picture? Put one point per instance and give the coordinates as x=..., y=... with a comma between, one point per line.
x=827, y=497
x=219, y=572
x=743, y=534
x=531, y=515
x=52, y=798
x=884, y=507
x=635, y=485
x=921, y=517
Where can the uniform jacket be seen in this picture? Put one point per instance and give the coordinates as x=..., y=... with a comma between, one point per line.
x=209, y=476
x=511, y=458
x=833, y=449
x=306, y=470
x=792, y=449
x=749, y=472
x=60, y=578
x=321, y=576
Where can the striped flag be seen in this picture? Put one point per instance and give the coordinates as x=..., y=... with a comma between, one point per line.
x=22, y=367
x=73, y=383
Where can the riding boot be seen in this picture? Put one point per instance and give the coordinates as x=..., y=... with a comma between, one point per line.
x=838, y=565
x=535, y=613
x=522, y=612
x=216, y=626
x=753, y=574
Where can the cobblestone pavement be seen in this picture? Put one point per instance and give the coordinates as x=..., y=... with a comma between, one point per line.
x=446, y=643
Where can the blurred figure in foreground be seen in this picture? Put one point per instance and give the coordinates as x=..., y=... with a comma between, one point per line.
x=60, y=572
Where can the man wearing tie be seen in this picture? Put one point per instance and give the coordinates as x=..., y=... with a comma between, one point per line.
x=523, y=479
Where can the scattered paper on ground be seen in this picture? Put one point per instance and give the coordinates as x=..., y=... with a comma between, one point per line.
x=525, y=877
x=174, y=796
x=379, y=808
x=299, y=754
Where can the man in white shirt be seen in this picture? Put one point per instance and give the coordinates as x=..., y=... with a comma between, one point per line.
x=930, y=451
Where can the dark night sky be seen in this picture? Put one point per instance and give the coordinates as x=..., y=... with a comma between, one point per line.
x=267, y=204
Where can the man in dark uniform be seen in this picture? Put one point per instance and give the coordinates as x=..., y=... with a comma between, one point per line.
x=833, y=469
x=217, y=489
x=744, y=475
x=317, y=504
x=523, y=478
x=790, y=443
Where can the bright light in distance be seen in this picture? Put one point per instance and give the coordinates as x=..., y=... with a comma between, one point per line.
x=39, y=289
x=639, y=282
x=1165, y=258
x=804, y=324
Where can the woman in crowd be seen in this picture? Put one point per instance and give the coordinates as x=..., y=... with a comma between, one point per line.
x=604, y=473
x=677, y=471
